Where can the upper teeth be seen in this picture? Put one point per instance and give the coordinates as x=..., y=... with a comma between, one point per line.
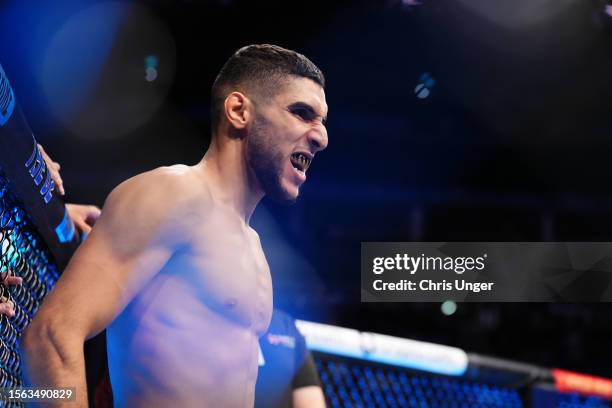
x=300, y=161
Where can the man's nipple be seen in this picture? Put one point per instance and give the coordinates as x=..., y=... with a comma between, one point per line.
x=231, y=303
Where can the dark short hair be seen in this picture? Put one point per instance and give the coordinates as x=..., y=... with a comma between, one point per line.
x=261, y=68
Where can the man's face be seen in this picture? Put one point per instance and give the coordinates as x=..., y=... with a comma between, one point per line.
x=285, y=135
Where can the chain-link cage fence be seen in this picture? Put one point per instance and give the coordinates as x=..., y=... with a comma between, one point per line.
x=23, y=254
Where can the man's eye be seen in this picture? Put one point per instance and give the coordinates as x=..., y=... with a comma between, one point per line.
x=302, y=113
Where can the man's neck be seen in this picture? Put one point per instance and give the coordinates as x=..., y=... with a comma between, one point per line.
x=232, y=182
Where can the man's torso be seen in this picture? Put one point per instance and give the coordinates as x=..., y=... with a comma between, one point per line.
x=189, y=338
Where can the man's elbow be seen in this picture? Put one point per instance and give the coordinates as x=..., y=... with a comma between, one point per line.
x=43, y=343
x=31, y=340
x=31, y=345
x=34, y=340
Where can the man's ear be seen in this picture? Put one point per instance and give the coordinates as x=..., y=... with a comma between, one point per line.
x=238, y=110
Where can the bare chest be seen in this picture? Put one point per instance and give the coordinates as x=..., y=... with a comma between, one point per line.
x=227, y=270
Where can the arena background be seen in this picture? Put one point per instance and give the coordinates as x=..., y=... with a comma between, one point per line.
x=462, y=120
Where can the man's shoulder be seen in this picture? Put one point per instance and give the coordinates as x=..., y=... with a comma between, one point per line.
x=172, y=185
x=171, y=178
x=175, y=193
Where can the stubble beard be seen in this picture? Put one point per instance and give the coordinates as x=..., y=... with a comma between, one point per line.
x=267, y=162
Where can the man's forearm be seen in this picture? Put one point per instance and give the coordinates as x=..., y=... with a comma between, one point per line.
x=308, y=397
x=53, y=360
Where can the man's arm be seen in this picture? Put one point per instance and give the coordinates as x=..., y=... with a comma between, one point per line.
x=308, y=397
x=307, y=392
x=132, y=240
x=306, y=384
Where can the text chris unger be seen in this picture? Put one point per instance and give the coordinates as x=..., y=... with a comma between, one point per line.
x=412, y=264
x=429, y=285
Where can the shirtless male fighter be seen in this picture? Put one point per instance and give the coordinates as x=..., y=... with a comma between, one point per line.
x=172, y=268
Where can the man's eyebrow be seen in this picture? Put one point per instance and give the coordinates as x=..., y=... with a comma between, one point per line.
x=309, y=108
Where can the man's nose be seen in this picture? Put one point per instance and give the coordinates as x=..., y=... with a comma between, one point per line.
x=317, y=138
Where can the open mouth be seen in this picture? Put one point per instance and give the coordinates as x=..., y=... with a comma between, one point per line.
x=300, y=161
